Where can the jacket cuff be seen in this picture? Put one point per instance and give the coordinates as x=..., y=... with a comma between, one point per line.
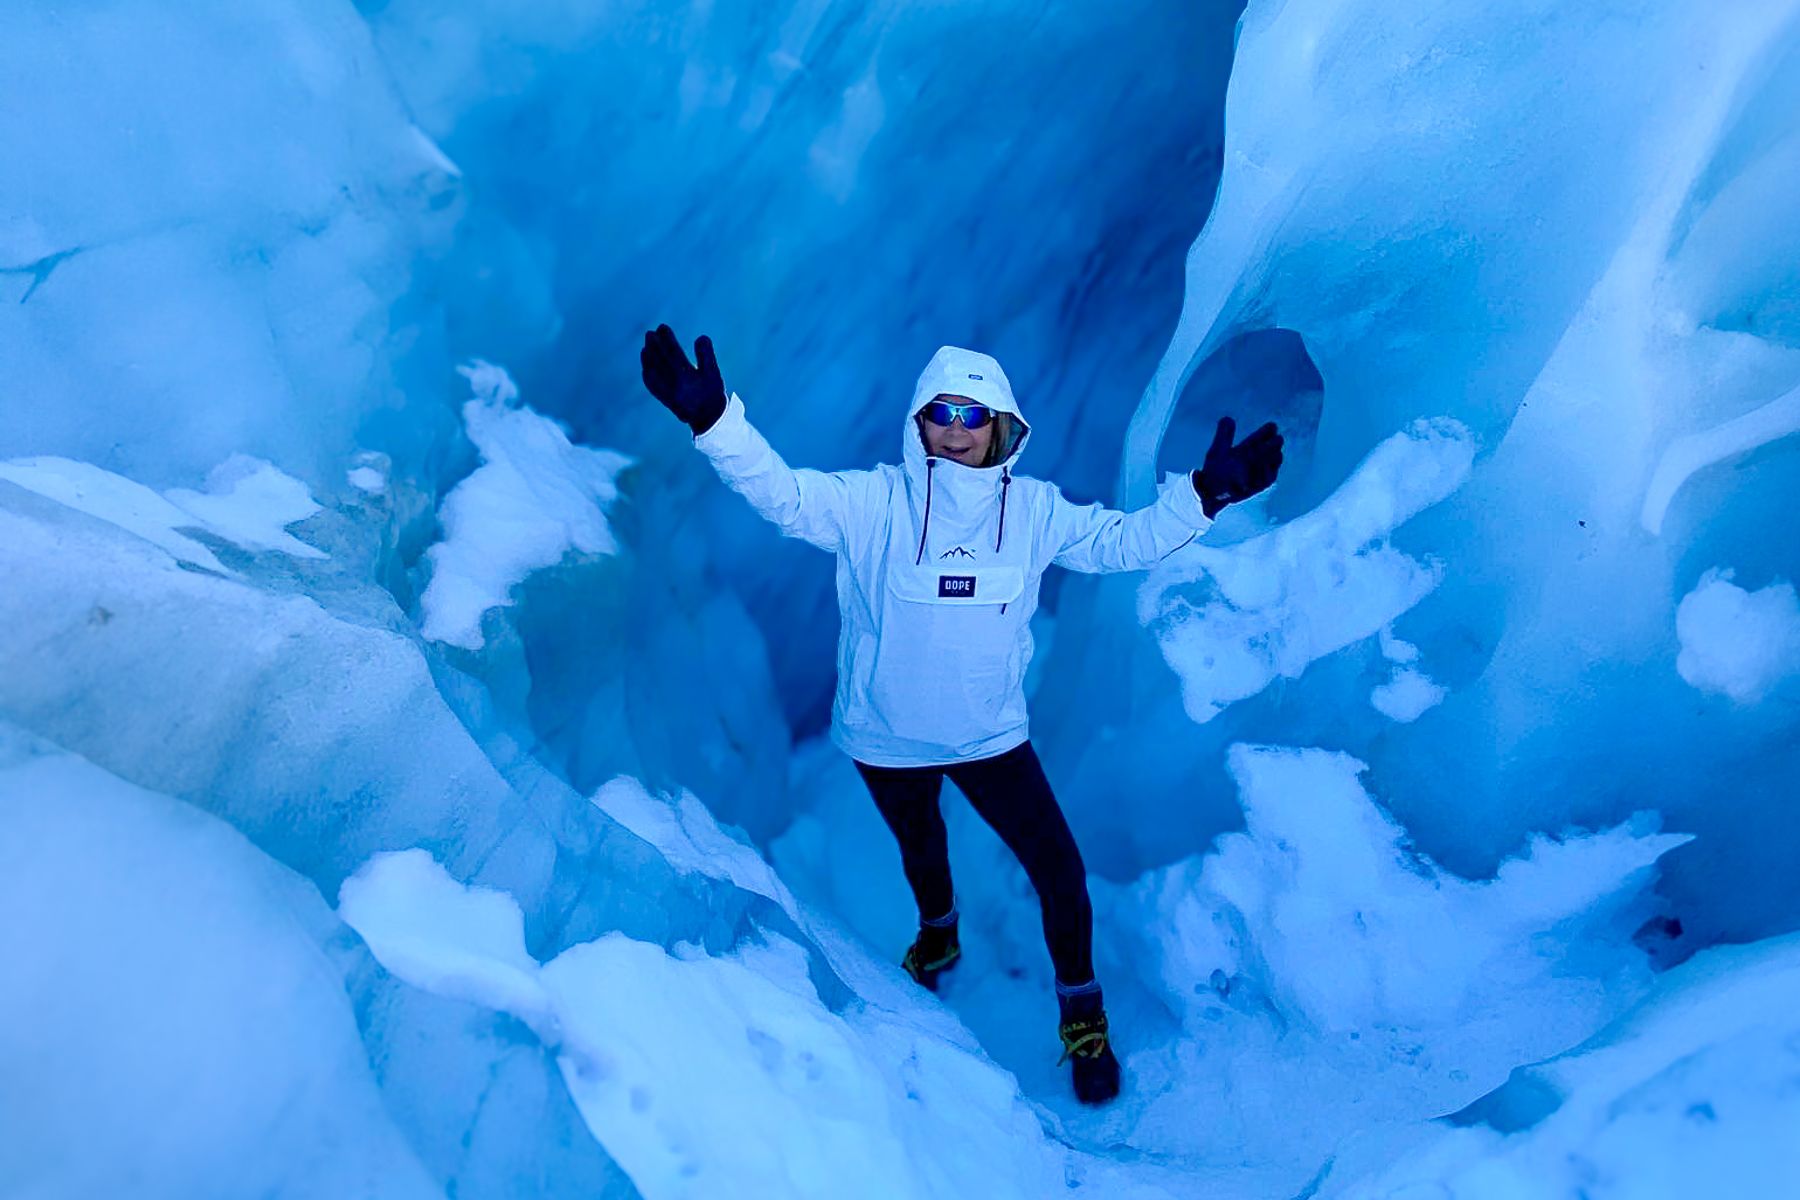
x=1178, y=492
x=728, y=433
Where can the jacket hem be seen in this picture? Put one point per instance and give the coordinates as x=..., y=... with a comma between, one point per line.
x=893, y=752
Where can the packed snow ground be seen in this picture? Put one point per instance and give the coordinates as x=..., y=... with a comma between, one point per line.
x=1309, y=991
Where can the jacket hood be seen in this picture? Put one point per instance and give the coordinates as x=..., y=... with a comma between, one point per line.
x=954, y=371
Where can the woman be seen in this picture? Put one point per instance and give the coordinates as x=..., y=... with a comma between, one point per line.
x=938, y=564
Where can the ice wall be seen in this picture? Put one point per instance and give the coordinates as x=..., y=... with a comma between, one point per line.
x=279, y=237
x=285, y=697
x=200, y=255
x=1557, y=226
x=859, y=183
x=173, y=1021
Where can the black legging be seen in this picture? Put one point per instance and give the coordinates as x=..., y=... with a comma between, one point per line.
x=1010, y=793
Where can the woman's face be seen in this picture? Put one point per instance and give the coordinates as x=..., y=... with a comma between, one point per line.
x=956, y=441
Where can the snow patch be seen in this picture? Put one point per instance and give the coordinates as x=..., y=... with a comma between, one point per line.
x=716, y=1075
x=535, y=498
x=366, y=479
x=685, y=833
x=446, y=937
x=1690, y=1094
x=114, y=499
x=1407, y=696
x=1323, y=906
x=712, y=1076
x=247, y=502
x=1233, y=619
x=1394, y=649
x=1737, y=643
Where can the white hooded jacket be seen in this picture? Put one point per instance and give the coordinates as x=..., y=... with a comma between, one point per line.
x=938, y=567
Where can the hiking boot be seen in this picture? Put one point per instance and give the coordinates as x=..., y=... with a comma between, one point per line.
x=1088, y=1048
x=932, y=953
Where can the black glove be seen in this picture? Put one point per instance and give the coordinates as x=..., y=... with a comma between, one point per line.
x=695, y=394
x=1234, y=473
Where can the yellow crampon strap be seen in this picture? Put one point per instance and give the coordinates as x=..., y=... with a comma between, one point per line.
x=912, y=966
x=1082, y=1040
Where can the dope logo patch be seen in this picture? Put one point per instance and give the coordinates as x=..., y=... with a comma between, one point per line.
x=962, y=586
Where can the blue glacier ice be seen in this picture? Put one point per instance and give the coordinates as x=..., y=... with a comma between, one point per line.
x=412, y=779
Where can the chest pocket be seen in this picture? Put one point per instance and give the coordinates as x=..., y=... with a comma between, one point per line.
x=950, y=659
x=948, y=584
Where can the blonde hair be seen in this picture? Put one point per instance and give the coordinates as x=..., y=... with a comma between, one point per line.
x=1002, y=442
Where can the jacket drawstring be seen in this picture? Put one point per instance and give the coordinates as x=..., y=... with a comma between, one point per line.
x=925, y=527
x=1005, y=483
